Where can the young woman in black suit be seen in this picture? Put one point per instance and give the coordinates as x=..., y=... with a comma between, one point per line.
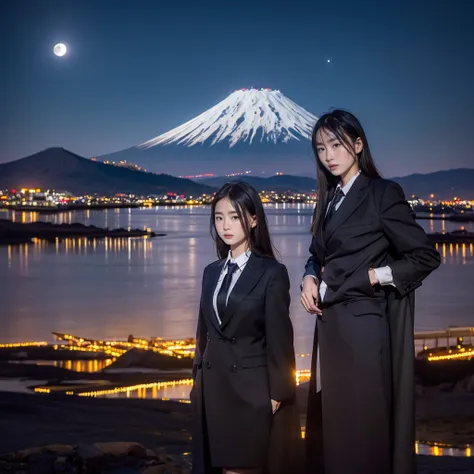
x=368, y=255
x=244, y=366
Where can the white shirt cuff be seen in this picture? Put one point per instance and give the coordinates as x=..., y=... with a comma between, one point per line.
x=312, y=276
x=384, y=275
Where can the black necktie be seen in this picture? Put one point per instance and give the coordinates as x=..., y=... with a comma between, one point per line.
x=224, y=289
x=338, y=195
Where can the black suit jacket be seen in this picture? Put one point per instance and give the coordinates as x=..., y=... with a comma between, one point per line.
x=373, y=227
x=239, y=367
x=258, y=325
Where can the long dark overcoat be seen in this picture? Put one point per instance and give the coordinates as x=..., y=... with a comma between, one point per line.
x=239, y=367
x=362, y=419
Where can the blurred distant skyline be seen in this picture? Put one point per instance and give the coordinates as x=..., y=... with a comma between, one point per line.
x=137, y=69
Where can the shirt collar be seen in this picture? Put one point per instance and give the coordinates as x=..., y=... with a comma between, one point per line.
x=241, y=260
x=348, y=186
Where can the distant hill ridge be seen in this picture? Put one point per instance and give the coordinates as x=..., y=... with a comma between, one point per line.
x=445, y=184
x=273, y=183
x=57, y=168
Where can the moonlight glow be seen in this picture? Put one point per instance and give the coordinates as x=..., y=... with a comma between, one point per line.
x=60, y=49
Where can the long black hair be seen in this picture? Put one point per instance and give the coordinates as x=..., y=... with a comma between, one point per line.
x=347, y=129
x=247, y=203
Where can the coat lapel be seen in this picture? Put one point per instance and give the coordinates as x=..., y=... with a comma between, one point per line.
x=351, y=202
x=212, y=277
x=317, y=244
x=250, y=276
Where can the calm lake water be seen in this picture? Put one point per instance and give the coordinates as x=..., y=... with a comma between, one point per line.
x=151, y=287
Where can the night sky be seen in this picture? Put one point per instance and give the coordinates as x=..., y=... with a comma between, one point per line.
x=136, y=69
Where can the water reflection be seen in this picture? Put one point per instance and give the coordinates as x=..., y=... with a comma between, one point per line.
x=74, y=365
x=157, y=391
x=434, y=449
x=458, y=254
x=110, y=287
x=79, y=246
x=452, y=253
x=163, y=218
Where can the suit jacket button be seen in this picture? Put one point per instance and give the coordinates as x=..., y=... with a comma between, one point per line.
x=233, y=368
x=233, y=341
x=208, y=365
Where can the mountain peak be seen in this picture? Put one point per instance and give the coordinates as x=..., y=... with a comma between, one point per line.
x=245, y=116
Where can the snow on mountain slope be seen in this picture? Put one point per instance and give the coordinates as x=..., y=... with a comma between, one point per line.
x=244, y=116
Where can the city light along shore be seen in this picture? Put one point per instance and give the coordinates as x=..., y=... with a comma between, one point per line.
x=173, y=358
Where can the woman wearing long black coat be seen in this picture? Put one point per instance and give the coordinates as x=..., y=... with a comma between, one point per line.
x=244, y=388
x=368, y=255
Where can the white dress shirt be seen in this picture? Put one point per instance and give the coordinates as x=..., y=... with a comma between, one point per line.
x=241, y=262
x=383, y=274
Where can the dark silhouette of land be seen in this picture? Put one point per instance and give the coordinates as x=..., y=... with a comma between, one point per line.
x=461, y=236
x=278, y=183
x=442, y=184
x=445, y=184
x=15, y=232
x=59, y=169
x=62, y=170
x=164, y=427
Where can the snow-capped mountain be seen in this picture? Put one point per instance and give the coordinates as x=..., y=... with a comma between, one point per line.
x=238, y=118
x=252, y=129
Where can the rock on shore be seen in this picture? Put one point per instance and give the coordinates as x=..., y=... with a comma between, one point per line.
x=110, y=457
x=134, y=458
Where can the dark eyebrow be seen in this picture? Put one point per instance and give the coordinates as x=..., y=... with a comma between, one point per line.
x=335, y=139
x=221, y=213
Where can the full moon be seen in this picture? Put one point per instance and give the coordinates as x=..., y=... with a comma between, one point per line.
x=60, y=49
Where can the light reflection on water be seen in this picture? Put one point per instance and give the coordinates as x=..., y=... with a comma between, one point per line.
x=74, y=365
x=172, y=392
x=433, y=450
x=454, y=253
x=110, y=288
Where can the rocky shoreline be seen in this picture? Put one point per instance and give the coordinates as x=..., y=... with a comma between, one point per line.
x=112, y=457
x=61, y=434
x=134, y=458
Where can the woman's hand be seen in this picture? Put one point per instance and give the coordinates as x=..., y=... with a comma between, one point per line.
x=310, y=296
x=373, y=277
x=275, y=406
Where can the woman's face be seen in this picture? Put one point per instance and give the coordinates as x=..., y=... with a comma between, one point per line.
x=228, y=225
x=334, y=155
